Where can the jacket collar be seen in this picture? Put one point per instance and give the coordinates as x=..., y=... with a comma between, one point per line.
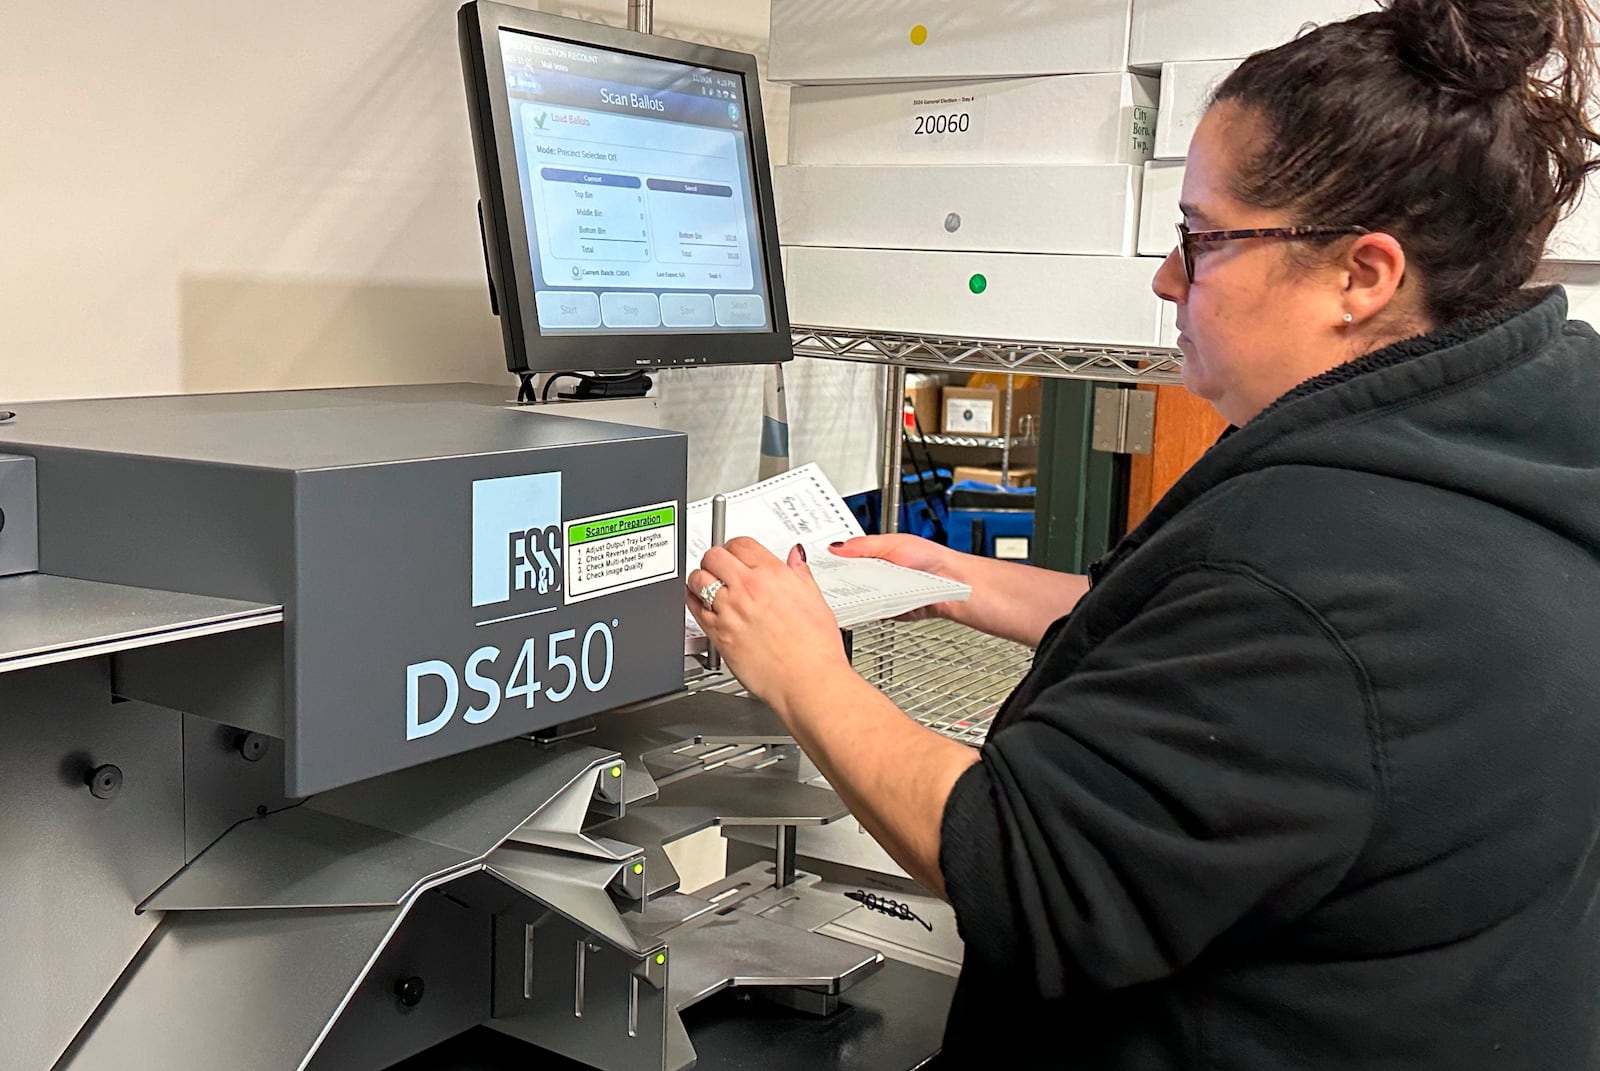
x=1470, y=349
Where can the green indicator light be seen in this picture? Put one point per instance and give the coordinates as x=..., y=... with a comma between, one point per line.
x=661, y=958
x=977, y=284
x=616, y=771
x=638, y=868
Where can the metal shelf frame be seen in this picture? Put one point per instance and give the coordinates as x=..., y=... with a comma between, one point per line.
x=945, y=676
x=1048, y=360
x=978, y=442
x=902, y=352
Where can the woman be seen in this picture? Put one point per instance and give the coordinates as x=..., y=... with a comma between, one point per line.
x=1311, y=777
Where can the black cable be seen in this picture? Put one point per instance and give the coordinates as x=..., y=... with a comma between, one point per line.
x=584, y=377
x=553, y=377
x=525, y=391
x=884, y=906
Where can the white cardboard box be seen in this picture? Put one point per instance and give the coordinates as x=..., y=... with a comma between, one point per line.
x=1177, y=31
x=1159, y=214
x=1583, y=291
x=1577, y=238
x=1186, y=89
x=1071, y=119
x=1169, y=325
x=820, y=41
x=1581, y=280
x=1028, y=297
x=1092, y=209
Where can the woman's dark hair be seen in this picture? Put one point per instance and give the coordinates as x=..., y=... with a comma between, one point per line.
x=1458, y=126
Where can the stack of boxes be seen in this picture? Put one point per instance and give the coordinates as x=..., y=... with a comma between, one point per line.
x=1197, y=43
x=969, y=171
x=997, y=171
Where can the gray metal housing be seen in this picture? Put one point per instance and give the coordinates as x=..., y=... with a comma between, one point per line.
x=19, y=522
x=355, y=510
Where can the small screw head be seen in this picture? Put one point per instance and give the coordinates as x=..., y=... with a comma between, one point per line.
x=252, y=747
x=952, y=222
x=104, y=781
x=410, y=991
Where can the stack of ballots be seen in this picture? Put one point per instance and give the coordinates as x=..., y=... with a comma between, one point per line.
x=966, y=170
x=801, y=507
x=1195, y=44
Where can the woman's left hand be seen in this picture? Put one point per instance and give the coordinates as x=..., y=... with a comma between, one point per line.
x=768, y=619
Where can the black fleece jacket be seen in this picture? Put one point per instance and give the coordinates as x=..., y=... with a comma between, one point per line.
x=1311, y=777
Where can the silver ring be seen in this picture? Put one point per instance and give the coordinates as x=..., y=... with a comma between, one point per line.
x=708, y=594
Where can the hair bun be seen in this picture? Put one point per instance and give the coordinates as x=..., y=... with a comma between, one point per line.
x=1479, y=47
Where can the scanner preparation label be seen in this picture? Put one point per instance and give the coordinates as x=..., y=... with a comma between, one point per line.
x=619, y=551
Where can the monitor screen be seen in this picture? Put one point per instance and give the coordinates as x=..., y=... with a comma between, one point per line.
x=627, y=197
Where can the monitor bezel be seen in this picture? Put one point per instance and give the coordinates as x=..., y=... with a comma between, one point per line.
x=504, y=222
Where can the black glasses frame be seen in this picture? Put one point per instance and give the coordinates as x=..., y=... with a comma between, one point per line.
x=1188, y=240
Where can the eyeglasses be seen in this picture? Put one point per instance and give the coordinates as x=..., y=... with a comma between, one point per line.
x=1188, y=240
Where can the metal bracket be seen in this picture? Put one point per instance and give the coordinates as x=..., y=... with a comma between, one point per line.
x=1124, y=420
x=19, y=515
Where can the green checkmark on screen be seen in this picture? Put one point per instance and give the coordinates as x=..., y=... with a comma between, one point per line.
x=539, y=121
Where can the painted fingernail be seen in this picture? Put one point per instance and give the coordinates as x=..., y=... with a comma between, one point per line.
x=801, y=551
x=838, y=544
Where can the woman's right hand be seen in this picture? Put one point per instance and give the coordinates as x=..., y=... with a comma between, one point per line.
x=914, y=552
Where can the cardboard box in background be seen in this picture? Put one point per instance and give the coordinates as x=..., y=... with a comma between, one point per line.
x=980, y=410
x=925, y=390
x=893, y=40
x=1159, y=214
x=971, y=411
x=1026, y=297
x=1027, y=400
x=1084, y=209
x=1070, y=119
x=1019, y=476
x=1174, y=31
x=1186, y=89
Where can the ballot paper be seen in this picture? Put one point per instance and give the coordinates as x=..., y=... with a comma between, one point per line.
x=801, y=506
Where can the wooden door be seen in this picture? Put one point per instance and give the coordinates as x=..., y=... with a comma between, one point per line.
x=1186, y=427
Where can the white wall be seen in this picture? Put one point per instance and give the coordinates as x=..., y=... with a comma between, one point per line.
x=217, y=196
x=205, y=196
x=223, y=196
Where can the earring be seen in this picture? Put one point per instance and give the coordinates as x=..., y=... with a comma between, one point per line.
x=1349, y=319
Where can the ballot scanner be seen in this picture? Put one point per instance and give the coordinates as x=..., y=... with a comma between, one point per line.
x=342, y=723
